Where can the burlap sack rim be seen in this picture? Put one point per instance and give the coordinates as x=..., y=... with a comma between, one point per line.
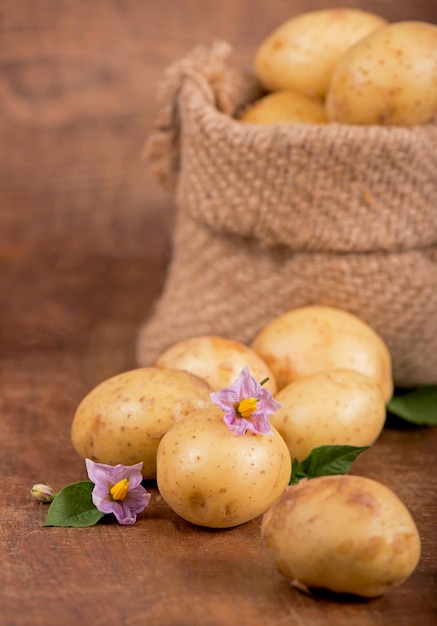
x=202, y=97
x=404, y=226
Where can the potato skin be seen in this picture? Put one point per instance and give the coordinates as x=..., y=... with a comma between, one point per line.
x=348, y=534
x=218, y=360
x=213, y=478
x=388, y=78
x=285, y=107
x=302, y=52
x=123, y=419
x=327, y=408
x=315, y=338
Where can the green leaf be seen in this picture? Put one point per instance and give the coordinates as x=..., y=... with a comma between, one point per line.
x=326, y=460
x=418, y=406
x=73, y=506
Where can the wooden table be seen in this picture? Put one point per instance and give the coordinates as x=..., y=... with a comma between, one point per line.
x=85, y=238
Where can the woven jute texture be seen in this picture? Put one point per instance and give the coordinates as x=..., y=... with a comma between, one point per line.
x=273, y=218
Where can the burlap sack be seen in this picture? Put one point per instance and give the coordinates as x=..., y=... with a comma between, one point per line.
x=273, y=218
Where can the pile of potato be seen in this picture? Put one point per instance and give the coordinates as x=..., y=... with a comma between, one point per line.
x=332, y=374
x=347, y=66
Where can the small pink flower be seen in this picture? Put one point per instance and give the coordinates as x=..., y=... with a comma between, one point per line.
x=118, y=490
x=247, y=405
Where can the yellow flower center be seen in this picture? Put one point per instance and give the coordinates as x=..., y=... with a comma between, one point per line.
x=246, y=407
x=119, y=490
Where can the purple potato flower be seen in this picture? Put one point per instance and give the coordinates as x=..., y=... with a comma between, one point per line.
x=118, y=490
x=247, y=405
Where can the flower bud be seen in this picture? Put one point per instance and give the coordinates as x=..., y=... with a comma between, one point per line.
x=42, y=492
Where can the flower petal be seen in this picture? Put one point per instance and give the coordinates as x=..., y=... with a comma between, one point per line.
x=267, y=404
x=124, y=514
x=225, y=398
x=133, y=472
x=138, y=499
x=102, y=474
x=237, y=425
x=126, y=511
x=260, y=424
x=99, y=473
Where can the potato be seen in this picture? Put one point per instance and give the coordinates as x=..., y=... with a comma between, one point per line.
x=302, y=52
x=216, y=359
x=389, y=77
x=315, y=338
x=348, y=534
x=123, y=419
x=285, y=107
x=332, y=407
x=211, y=477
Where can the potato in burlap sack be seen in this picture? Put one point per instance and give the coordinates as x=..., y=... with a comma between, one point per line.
x=271, y=218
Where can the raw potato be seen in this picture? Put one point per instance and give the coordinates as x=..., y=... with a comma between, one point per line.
x=211, y=477
x=315, y=338
x=216, y=359
x=348, y=534
x=302, y=52
x=327, y=408
x=123, y=419
x=389, y=77
x=285, y=107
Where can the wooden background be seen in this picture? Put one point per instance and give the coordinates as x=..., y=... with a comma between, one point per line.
x=85, y=238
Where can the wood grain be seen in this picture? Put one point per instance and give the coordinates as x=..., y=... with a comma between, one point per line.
x=85, y=238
